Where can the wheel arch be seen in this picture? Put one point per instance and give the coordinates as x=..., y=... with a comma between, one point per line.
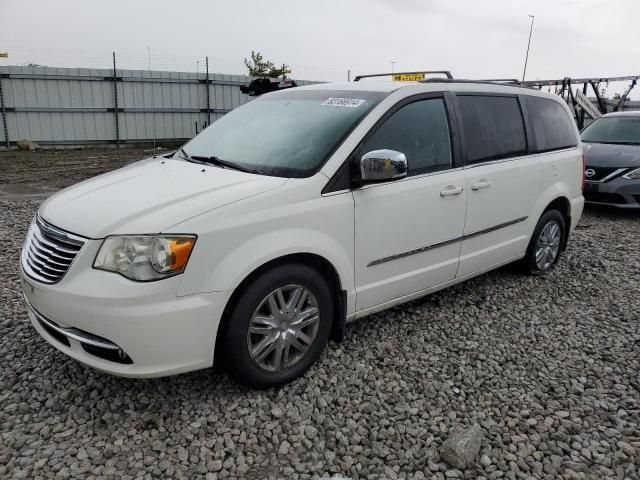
x=319, y=263
x=563, y=205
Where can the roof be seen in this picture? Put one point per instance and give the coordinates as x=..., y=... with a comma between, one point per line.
x=391, y=86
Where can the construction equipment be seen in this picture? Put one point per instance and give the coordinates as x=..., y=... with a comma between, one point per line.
x=576, y=101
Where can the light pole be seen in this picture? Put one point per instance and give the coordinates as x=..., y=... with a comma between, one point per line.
x=392, y=64
x=526, y=58
x=197, y=66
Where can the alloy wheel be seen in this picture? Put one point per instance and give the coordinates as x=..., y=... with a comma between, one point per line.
x=283, y=328
x=548, y=245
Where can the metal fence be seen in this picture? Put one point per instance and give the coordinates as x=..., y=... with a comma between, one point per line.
x=67, y=106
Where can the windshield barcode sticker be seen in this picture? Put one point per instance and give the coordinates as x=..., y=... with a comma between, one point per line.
x=343, y=102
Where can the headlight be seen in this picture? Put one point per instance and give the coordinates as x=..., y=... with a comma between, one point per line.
x=633, y=174
x=145, y=257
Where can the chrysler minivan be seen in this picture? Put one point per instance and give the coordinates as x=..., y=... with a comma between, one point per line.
x=300, y=211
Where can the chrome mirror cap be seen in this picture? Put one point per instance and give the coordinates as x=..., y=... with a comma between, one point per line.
x=383, y=165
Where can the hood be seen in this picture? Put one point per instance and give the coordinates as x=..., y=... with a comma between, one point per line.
x=149, y=197
x=611, y=155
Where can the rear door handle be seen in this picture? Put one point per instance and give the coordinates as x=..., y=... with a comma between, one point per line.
x=481, y=184
x=451, y=190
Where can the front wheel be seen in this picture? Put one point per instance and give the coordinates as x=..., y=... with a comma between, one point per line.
x=279, y=326
x=546, y=243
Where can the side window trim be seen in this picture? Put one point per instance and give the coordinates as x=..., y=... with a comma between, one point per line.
x=454, y=137
x=528, y=127
x=463, y=142
x=403, y=103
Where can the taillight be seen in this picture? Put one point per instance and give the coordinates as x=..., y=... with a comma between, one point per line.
x=584, y=167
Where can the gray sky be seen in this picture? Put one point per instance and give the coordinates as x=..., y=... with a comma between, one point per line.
x=322, y=39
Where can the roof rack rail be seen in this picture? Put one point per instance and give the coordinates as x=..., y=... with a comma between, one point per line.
x=507, y=81
x=447, y=73
x=501, y=80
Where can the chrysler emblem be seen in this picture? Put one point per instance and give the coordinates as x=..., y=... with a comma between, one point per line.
x=590, y=172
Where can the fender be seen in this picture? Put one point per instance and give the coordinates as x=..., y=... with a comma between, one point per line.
x=236, y=240
x=553, y=192
x=257, y=251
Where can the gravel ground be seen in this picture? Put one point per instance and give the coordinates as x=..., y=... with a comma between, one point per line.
x=547, y=366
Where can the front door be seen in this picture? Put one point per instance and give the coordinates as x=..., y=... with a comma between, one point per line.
x=408, y=232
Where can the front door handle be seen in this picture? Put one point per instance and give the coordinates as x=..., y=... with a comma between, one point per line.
x=451, y=190
x=481, y=184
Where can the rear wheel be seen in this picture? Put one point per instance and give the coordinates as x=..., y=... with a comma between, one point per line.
x=546, y=243
x=279, y=326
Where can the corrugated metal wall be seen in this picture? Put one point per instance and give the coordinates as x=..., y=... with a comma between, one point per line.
x=78, y=105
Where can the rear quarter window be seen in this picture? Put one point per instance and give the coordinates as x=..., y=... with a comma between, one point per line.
x=551, y=126
x=493, y=127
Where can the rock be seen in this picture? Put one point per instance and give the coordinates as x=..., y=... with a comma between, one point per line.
x=462, y=446
x=310, y=432
x=284, y=448
x=27, y=145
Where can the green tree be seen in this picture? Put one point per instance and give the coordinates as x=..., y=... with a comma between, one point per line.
x=259, y=67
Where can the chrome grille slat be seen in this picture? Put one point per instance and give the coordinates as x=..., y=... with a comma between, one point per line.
x=44, y=265
x=43, y=256
x=48, y=252
x=58, y=248
x=40, y=270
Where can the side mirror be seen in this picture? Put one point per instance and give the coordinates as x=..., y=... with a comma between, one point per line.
x=382, y=165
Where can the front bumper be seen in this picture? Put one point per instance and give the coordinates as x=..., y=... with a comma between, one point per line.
x=619, y=192
x=122, y=327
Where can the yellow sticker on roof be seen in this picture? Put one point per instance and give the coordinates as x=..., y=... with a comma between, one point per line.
x=408, y=77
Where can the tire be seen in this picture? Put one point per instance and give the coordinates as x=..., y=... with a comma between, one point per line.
x=282, y=333
x=551, y=243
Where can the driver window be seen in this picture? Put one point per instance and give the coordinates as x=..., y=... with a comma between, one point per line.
x=420, y=130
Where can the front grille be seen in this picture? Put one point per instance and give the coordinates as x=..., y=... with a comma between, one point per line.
x=48, y=251
x=601, y=173
x=601, y=197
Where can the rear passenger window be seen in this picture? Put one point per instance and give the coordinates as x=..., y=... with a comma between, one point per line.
x=552, y=127
x=493, y=127
x=420, y=130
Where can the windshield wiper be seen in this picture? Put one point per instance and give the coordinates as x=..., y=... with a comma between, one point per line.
x=217, y=161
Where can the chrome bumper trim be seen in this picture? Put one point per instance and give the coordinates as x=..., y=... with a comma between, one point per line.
x=73, y=333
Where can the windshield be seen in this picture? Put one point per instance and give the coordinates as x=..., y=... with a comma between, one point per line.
x=285, y=134
x=624, y=130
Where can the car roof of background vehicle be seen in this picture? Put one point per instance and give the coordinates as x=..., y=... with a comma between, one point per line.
x=632, y=113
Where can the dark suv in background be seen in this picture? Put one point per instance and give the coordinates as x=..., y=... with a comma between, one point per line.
x=612, y=157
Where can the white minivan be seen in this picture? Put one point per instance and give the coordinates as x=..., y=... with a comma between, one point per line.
x=296, y=213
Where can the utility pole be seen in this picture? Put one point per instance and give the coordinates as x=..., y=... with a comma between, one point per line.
x=392, y=65
x=526, y=58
